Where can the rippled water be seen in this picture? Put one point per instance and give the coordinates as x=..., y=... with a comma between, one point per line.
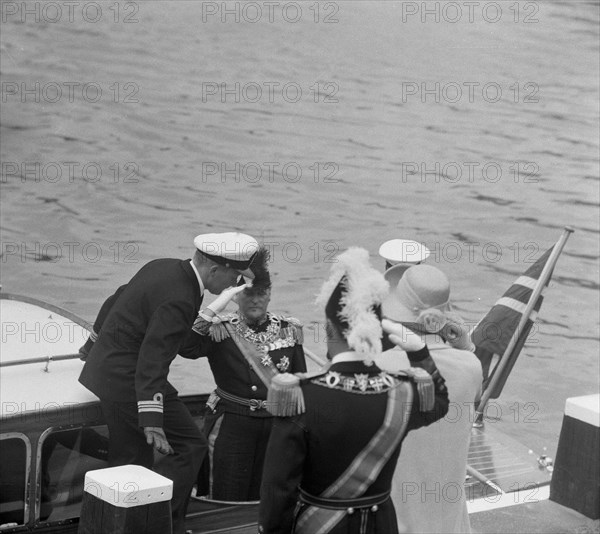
x=513, y=168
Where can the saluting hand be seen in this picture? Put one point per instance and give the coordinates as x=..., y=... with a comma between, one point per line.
x=155, y=436
x=402, y=336
x=220, y=303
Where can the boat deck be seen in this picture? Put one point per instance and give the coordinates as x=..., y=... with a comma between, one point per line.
x=506, y=462
x=541, y=517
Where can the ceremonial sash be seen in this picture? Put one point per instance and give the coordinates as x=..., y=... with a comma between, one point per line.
x=366, y=467
x=284, y=398
x=253, y=357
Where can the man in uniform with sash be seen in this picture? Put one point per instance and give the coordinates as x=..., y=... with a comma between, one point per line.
x=329, y=468
x=137, y=334
x=244, y=349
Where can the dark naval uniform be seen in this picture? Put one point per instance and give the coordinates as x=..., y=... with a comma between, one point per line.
x=140, y=329
x=237, y=423
x=330, y=469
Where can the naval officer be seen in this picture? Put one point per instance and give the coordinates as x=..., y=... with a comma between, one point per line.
x=137, y=335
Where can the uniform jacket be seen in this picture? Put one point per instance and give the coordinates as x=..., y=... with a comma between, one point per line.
x=233, y=373
x=140, y=330
x=313, y=449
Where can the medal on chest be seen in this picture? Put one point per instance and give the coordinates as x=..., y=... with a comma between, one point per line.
x=271, y=339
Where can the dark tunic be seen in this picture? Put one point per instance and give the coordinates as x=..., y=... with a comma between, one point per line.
x=140, y=330
x=238, y=434
x=313, y=449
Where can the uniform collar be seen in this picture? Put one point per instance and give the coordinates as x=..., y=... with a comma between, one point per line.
x=348, y=356
x=198, y=277
x=351, y=362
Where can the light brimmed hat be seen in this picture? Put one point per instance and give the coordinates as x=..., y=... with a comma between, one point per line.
x=419, y=294
x=231, y=249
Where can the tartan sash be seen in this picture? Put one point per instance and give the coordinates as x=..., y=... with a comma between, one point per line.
x=366, y=467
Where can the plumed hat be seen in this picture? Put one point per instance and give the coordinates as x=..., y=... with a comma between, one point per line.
x=260, y=270
x=352, y=297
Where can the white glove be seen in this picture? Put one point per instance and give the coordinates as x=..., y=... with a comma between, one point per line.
x=457, y=333
x=220, y=303
x=402, y=337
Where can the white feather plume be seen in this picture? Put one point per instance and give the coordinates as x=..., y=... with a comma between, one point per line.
x=364, y=288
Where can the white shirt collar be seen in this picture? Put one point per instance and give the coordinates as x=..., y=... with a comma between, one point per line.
x=198, y=277
x=348, y=356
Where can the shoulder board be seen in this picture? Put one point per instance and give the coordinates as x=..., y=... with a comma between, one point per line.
x=227, y=317
x=217, y=331
x=295, y=326
x=402, y=375
x=291, y=320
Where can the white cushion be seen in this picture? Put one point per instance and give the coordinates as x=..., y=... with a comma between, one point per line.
x=127, y=486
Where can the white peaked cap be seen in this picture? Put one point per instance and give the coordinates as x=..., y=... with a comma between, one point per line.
x=232, y=249
x=397, y=251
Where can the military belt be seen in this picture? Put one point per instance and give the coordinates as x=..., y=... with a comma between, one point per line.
x=253, y=404
x=372, y=502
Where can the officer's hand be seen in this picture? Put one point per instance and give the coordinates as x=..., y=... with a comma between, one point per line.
x=220, y=303
x=155, y=436
x=85, y=349
x=402, y=337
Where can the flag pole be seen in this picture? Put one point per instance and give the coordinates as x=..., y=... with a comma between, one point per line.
x=542, y=280
x=471, y=471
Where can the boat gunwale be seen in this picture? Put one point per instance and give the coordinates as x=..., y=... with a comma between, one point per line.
x=46, y=305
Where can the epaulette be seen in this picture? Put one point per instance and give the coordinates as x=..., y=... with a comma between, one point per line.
x=425, y=387
x=217, y=331
x=284, y=397
x=296, y=327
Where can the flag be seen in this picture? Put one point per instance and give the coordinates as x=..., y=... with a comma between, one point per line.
x=494, y=332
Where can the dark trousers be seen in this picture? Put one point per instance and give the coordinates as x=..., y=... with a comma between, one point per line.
x=127, y=445
x=237, y=452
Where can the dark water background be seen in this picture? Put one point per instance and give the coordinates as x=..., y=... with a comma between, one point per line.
x=354, y=119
